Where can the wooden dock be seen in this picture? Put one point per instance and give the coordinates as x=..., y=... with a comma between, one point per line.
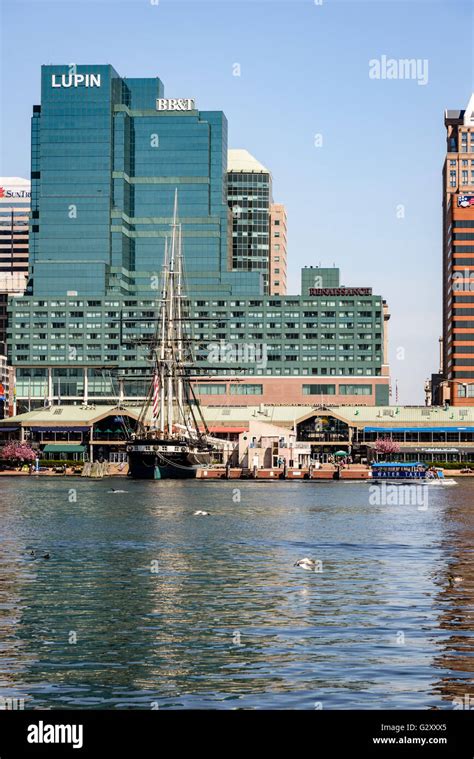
x=325, y=473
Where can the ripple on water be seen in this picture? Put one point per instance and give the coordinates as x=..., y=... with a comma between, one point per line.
x=141, y=603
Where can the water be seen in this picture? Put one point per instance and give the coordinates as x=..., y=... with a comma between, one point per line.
x=379, y=627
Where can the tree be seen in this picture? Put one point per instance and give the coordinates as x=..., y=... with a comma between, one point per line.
x=17, y=452
x=386, y=446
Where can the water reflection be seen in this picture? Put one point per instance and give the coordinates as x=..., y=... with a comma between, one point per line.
x=141, y=603
x=456, y=600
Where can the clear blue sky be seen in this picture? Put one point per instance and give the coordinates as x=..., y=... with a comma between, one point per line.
x=304, y=71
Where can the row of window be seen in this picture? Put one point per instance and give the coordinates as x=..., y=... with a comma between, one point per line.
x=313, y=389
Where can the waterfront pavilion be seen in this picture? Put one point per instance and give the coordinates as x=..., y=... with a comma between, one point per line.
x=423, y=433
x=75, y=433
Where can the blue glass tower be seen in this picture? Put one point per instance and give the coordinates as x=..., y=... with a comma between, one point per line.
x=107, y=155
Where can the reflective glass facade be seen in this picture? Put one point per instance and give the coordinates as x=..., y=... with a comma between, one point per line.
x=249, y=198
x=105, y=165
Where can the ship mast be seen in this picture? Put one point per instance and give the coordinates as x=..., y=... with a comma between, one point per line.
x=160, y=364
x=171, y=395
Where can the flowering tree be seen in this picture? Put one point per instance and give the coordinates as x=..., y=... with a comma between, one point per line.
x=17, y=452
x=386, y=446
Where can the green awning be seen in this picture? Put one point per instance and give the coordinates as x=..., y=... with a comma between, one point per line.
x=60, y=448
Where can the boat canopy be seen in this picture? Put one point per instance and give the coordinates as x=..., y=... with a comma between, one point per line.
x=397, y=464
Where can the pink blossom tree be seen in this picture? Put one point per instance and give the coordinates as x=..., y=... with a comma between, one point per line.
x=386, y=447
x=17, y=452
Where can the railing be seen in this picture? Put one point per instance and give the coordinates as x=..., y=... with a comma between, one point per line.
x=324, y=437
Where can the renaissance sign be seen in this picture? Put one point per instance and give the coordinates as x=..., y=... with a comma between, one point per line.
x=175, y=104
x=340, y=291
x=75, y=80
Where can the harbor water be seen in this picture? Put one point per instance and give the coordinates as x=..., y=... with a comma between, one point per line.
x=141, y=604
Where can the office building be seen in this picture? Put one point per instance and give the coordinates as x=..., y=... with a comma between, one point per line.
x=14, y=221
x=249, y=193
x=278, y=250
x=458, y=258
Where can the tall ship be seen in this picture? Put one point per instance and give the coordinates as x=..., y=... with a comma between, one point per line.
x=172, y=439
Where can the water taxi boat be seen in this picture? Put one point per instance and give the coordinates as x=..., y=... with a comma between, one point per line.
x=398, y=471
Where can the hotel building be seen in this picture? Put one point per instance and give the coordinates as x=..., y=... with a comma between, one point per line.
x=458, y=257
x=107, y=155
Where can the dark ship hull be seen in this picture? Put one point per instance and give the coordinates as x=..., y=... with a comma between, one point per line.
x=165, y=459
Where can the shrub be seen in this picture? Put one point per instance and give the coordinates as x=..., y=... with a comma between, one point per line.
x=60, y=462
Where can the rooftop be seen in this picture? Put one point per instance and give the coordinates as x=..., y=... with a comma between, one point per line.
x=237, y=416
x=242, y=160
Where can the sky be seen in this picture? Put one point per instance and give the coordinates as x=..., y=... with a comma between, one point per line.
x=356, y=149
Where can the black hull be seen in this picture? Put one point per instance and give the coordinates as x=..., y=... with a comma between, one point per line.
x=161, y=463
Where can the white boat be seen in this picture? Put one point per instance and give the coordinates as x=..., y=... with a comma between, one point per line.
x=441, y=481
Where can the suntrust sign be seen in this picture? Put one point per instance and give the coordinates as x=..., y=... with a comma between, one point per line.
x=175, y=104
x=75, y=80
x=6, y=192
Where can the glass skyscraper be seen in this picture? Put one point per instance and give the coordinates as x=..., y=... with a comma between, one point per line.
x=249, y=196
x=107, y=155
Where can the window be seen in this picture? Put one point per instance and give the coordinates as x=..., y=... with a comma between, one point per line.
x=246, y=389
x=319, y=389
x=217, y=389
x=355, y=389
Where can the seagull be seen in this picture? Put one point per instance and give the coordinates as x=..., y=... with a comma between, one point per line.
x=306, y=563
x=117, y=491
x=200, y=513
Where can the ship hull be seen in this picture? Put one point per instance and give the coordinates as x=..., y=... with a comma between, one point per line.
x=150, y=461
